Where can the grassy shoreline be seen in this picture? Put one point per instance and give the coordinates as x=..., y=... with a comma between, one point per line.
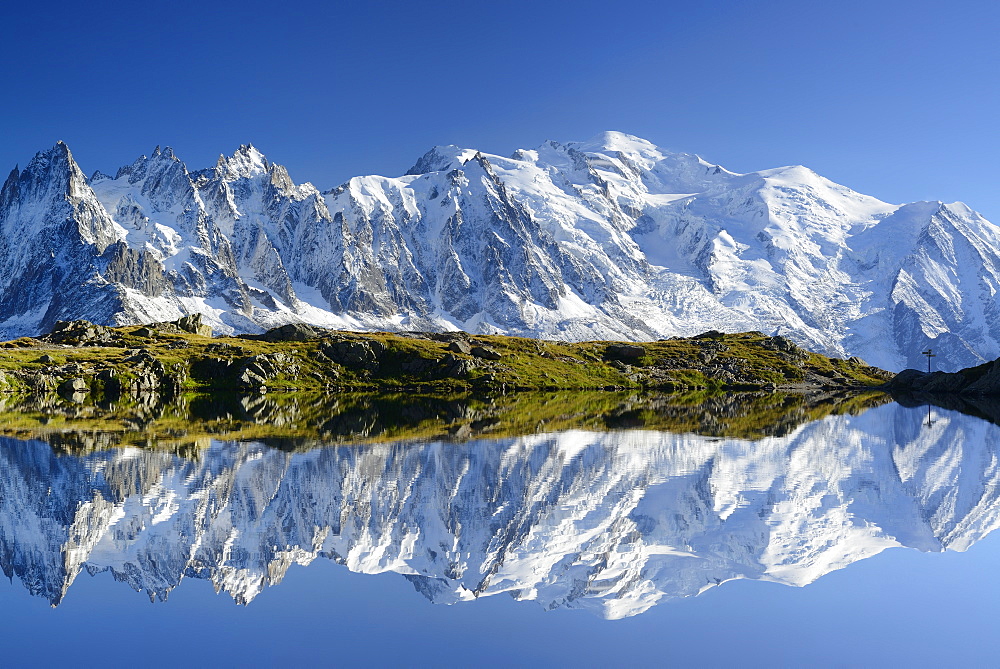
x=83, y=358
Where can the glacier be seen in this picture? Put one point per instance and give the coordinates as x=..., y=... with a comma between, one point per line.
x=613, y=238
x=609, y=522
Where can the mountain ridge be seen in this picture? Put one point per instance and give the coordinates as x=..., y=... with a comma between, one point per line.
x=613, y=238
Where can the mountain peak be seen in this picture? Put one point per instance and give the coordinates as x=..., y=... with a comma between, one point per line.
x=613, y=140
x=442, y=159
x=246, y=161
x=55, y=165
x=59, y=152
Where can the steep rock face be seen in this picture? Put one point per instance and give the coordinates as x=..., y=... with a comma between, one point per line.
x=53, y=236
x=613, y=522
x=613, y=238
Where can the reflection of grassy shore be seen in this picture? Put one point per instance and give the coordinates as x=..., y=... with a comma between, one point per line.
x=298, y=421
x=133, y=359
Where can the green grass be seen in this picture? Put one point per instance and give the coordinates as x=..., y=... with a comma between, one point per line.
x=676, y=365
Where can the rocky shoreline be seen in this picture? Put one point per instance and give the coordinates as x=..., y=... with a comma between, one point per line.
x=79, y=359
x=982, y=380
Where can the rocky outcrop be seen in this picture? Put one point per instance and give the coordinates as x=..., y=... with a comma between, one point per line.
x=361, y=353
x=980, y=380
x=172, y=356
x=194, y=323
x=293, y=332
x=256, y=372
x=82, y=333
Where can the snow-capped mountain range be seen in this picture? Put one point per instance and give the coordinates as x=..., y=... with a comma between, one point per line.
x=608, y=239
x=613, y=522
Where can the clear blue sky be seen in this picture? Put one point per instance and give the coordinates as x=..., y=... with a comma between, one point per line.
x=897, y=99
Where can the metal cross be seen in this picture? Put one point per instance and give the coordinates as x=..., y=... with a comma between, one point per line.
x=930, y=354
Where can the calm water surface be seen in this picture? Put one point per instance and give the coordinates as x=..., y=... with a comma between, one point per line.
x=676, y=543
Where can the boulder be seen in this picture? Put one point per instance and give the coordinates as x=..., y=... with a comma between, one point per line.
x=710, y=334
x=354, y=352
x=74, y=385
x=456, y=368
x=907, y=379
x=251, y=379
x=292, y=332
x=193, y=323
x=485, y=353
x=624, y=352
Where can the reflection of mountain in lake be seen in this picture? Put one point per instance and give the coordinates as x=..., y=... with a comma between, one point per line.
x=611, y=521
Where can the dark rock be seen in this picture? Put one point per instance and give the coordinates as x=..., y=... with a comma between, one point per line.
x=136, y=269
x=251, y=379
x=354, y=352
x=624, y=352
x=46, y=359
x=460, y=346
x=292, y=332
x=416, y=365
x=111, y=381
x=146, y=332
x=455, y=367
x=786, y=348
x=981, y=380
x=223, y=347
x=485, y=353
x=988, y=383
x=711, y=334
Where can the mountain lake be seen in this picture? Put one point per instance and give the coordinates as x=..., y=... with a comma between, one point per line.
x=555, y=529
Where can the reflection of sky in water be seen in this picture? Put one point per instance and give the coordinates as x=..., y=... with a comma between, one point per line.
x=611, y=522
